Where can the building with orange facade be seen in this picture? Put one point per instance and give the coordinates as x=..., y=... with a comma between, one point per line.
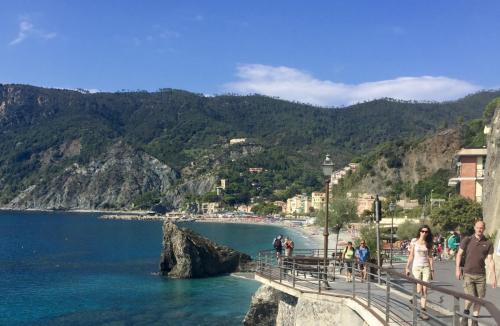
x=470, y=171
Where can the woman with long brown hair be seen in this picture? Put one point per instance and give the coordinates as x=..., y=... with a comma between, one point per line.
x=420, y=258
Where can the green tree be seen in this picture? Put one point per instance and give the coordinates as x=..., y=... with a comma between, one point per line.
x=341, y=211
x=266, y=209
x=369, y=234
x=407, y=230
x=457, y=213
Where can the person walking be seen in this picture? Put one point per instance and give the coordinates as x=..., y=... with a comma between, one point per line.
x=347, y=257
x=289, y=247
x=363, y=255
x=278, y=247
x=453, y=243
x=420, y=258
x=477, y=251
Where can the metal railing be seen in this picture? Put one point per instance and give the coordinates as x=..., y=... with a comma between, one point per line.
x=385, y=290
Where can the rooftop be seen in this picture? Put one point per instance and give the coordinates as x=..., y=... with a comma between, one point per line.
x=472, y=152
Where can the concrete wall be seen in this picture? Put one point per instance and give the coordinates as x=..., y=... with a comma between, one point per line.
x=295, y=308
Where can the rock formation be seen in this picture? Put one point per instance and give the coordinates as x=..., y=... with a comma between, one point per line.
x=111, y=181
x=272, y=307
x=264, y=307
x=491, y=186
x=186, y=254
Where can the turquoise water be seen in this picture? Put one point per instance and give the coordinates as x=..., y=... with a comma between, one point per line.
x=69, y=268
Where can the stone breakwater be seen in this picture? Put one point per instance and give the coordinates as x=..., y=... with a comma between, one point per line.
x=133, y=217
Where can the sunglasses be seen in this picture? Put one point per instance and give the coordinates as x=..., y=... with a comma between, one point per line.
x=424, y=231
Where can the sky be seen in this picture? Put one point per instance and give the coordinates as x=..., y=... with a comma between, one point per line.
x=326, y=53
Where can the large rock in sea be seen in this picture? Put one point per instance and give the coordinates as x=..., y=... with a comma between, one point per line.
x=187, y=254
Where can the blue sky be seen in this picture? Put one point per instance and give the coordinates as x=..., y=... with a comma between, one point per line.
x=320, y=52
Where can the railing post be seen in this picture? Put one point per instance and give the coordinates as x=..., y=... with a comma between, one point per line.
x=414, y=308
x=456, y=309
x=320, y=277
x=353, y=275
x=293, y=272
x=387, y=297
x=368, y=288
x=280, y=269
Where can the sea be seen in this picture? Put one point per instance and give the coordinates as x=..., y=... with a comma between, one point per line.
x=62, y=268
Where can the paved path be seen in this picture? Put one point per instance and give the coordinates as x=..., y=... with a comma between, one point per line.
x=401, y=310
x=445, y=276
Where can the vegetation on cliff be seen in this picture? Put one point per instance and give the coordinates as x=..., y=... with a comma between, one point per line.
x=40, y=128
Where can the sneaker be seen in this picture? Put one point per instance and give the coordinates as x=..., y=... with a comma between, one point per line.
x=423, y=315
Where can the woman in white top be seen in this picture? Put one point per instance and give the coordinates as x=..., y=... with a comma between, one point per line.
x=420, y=258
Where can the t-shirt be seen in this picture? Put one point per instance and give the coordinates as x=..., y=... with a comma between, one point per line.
x=453, y=242
x=420, y=255
x=475, y=254
x=348, y=254
x=363, y=253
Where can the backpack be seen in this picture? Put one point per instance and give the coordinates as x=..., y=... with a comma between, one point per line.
x=464, y=253
x=277, y=243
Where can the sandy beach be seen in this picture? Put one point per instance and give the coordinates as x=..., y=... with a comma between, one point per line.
x=313, y=233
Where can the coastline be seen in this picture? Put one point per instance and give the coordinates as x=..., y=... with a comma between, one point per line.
x=312, y=233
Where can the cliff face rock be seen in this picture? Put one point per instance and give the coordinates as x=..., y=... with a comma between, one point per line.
x=263, y=308
x=273, y=307
x=186, y=254
x=432, y=154
x=491, y=186
x=112, y=181
x=420, y=161
x=196, y=186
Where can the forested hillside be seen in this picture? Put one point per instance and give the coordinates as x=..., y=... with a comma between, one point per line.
x=46, y=131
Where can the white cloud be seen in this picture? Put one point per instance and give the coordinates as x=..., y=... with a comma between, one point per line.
x=27, y=29
x=295, y=85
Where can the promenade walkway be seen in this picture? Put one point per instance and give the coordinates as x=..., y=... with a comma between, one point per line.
x=392, y=299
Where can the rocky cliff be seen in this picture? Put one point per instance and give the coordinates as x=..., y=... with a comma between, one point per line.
x=417, y=162
x=491, y=186
x=186, y=254
x=113, y=180
x=270, y=306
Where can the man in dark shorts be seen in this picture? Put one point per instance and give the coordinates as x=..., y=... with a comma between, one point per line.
x=363, y=255
x=477, y=251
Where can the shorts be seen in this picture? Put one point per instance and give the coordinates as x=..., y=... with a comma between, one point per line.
x=475, y=285
x=422, y=273
x=348, y=265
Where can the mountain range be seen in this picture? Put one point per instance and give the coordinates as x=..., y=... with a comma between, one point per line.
x=66, y=149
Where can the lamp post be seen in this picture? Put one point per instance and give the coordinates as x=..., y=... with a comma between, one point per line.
x=327, y=168
x=377, y=211
x=392, y=207
x=430, y=211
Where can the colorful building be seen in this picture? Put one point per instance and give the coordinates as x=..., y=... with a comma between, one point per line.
x=318, y=201
x=470, y=171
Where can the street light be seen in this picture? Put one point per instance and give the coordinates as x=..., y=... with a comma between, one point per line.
x=391, y=209
x=430, y=212
x=327, y=168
